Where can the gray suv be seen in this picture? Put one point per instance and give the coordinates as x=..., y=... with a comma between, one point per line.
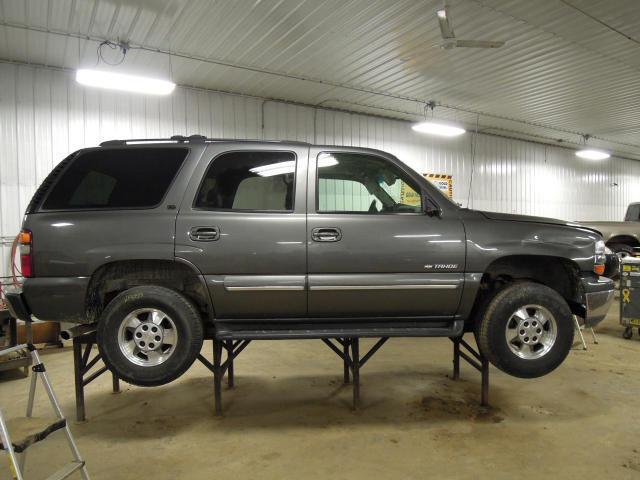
x=159, y=242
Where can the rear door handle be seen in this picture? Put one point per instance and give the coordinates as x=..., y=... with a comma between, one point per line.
x=326, y=234
x=204, y=234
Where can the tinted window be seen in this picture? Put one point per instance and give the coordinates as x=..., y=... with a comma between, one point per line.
x=359, y=183
x=249, y=181
x=116, y=178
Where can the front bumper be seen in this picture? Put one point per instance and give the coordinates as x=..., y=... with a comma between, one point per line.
x=598, y=295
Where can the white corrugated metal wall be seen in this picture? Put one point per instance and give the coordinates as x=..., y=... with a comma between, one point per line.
x=44, y=115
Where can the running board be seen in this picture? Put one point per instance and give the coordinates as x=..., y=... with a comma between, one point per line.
x=286, y=331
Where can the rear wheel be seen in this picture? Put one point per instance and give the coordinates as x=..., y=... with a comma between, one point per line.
x=149, y=335
x=526, y=330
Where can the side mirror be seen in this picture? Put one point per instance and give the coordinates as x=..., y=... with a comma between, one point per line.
x=431, y=208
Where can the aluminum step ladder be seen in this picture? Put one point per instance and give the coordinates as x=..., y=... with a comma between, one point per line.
x=29, y=430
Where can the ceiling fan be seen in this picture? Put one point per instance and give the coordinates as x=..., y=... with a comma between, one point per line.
x=449, y=39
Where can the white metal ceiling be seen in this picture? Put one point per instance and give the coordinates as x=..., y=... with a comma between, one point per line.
x=568, y=67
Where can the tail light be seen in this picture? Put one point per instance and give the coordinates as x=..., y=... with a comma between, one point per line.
x=26, y=253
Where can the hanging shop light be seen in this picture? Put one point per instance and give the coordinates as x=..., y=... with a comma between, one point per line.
x=119, y=81
x=437, y=128
x=127, y=83
x=591, y=153
x=432, y=127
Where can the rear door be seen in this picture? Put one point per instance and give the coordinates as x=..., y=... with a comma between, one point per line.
x=243, y=225
x=372, y=250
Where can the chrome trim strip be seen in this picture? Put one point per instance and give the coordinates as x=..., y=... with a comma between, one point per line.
x=384, y=287
x=265, y=288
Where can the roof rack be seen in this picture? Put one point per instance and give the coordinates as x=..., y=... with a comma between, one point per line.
x=189, y=139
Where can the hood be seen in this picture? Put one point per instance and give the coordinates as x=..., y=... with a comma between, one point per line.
x=510, y=217
x=523, y=218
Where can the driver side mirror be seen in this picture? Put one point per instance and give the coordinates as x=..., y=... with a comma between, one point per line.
x=430, y=207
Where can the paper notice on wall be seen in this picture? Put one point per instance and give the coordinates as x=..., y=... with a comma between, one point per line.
x=408, y=196
x=444, y=183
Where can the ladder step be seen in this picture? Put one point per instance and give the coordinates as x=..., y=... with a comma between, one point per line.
x=25, y=431
x=67, y=470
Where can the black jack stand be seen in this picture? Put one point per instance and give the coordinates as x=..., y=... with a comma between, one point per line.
x=476, y=360
x=81, y=367
x=350, y=355
x=233, y=349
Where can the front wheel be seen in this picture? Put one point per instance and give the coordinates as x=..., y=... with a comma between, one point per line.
x=527, y=330
x=149, y=335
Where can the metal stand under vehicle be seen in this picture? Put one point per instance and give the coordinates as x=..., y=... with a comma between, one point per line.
x=81, y=367
x=347, y=348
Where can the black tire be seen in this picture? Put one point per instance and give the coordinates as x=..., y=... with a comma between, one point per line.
x=627, y=333
x=491, y=334
x=184, y=325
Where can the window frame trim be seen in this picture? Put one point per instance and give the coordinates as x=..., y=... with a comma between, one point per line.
x=343, y=212
x=249, y=211
x=80, y=153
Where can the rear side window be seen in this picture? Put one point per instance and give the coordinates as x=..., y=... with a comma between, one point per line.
x=116, y=178
x=262, y=181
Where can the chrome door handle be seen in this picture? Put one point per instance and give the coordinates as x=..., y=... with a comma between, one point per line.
x=204, y=234
x=326, y=234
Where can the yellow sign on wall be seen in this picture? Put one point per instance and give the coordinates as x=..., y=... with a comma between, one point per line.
x=444, y=183
x=408, y=196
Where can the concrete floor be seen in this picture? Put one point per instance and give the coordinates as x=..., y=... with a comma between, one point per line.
x=289, y=417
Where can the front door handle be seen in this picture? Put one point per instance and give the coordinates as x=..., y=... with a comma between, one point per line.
x=326, y=234
x=204, y=234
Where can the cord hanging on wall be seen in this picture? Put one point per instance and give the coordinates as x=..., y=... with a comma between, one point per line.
x=122, y=46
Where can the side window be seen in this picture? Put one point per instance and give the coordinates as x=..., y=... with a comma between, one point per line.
x=360, y=183
x=253, y=180
x=116, y=178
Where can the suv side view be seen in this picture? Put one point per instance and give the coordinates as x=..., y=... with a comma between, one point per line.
x=158, y=241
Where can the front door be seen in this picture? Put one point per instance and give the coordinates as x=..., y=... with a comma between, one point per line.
x=372, y=250
x=243, y=225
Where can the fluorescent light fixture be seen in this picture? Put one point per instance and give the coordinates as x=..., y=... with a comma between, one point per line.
x=273, y=169
x=127, y=83
x=592, y=154
x=442, y=13
x=435, y=128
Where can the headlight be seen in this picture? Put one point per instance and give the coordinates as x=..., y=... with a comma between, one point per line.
x=600, y=257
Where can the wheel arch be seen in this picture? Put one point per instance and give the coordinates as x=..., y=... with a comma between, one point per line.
x=625, y=240
x=558, y=273
x=112, y=278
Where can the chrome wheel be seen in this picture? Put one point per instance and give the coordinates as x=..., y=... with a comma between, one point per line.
x=531, y=332
x=147, y=337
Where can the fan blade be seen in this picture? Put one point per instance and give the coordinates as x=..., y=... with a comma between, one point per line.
x=478, y=44
x=446, y=30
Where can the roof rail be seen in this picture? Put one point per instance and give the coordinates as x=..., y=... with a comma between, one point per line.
x=189, y=139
